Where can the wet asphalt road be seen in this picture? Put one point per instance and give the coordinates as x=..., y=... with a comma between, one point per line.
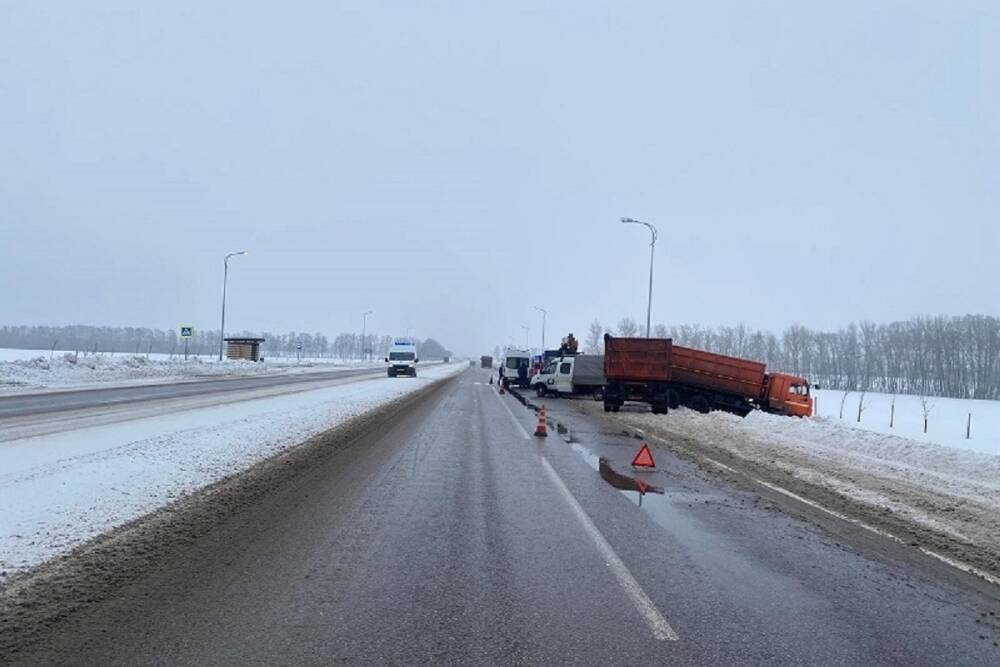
x=81, y=399
x=450, y=537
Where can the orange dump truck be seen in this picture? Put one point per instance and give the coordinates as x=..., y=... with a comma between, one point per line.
x=704, y=381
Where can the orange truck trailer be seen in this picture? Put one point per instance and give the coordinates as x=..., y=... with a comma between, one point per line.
x=637, y=369
x=700, y=380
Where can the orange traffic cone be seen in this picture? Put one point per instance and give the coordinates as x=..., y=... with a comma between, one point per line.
x=541, y=430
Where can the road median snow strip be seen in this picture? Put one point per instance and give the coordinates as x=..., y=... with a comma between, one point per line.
x=107, y=476
x=940, y=499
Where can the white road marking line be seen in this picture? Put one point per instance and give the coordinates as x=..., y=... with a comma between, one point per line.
x=878, y=531
x=654, y=619
x=965, y=567
x=512, y=417
x=723, y=466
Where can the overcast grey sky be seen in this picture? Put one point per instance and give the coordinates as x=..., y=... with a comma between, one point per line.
x=449, y=165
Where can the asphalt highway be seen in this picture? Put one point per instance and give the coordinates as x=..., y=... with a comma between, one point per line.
x=20, y=405
x=446, y=533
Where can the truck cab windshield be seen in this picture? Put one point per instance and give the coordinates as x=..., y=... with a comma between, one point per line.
x=799, y=389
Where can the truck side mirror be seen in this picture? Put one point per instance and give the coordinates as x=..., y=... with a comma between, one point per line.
x=387, y=360
x=416, y=361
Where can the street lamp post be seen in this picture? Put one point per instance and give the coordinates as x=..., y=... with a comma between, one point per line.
x=525, y=327
x=225, y=279
x=364, y=330
x=652, y=248
x=544, y=313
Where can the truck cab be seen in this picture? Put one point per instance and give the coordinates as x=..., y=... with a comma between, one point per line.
x=402, y=358
x=555, y=377
x=789, y=395
x=571, y=374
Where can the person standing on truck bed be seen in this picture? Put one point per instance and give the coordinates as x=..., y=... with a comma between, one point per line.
x=569, y=345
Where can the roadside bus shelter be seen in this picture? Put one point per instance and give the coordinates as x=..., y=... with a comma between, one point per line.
x=243, y=348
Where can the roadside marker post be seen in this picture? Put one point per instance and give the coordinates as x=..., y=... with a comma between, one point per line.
x=643, y=458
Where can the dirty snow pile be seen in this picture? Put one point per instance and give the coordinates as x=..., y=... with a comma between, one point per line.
x=68, y=369
x=950, y=490
x=59, y=490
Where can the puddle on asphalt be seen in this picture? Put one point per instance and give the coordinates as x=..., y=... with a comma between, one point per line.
x=630, y=487
x=746, y=582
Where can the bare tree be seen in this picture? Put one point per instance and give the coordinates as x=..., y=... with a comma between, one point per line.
x=843, y=399
x=595, y=337
x=892, y=411
x=926, y=405
x=862, y=404
x=627, y=327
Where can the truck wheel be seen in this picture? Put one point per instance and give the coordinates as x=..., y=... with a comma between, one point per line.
x=615, y=408
x=673, y=399
x=391, y=373
x=699, y=403
x=659, y=408
x=540, y=390
x=598, y=394
x=607, y=407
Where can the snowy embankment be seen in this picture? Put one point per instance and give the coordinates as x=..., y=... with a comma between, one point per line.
x=948, y=419
x=58, y=491
x=951, y=491
x=63, y=370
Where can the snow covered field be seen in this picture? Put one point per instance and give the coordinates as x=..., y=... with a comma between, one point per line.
x=945, y=424
x=30, y=370
x=57, y=491
x=950, y=490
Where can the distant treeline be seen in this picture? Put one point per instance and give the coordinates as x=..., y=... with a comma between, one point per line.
x=958, y=357
x=86, y=339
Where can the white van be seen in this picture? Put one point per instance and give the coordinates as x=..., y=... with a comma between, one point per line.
x=513, y=360
x=402, y=358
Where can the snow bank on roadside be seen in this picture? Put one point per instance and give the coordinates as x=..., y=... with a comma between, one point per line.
x=70, y=370
x=58, y=491
x=950, y=490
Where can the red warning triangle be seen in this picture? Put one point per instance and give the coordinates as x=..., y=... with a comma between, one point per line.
x=644, y=458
